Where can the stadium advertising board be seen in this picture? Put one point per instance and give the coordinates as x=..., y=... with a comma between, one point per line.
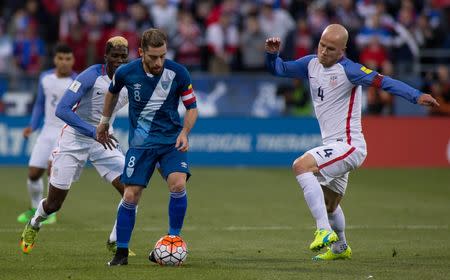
x=392, y=142
x=214, y=142
x=407, y=142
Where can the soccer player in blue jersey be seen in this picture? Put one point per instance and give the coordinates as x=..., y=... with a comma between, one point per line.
x=335, y=87
x=81, y=108
x=155, y=85
x=52, y=84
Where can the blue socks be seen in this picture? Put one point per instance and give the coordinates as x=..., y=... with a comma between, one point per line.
x=177, y=211
x=126, y=216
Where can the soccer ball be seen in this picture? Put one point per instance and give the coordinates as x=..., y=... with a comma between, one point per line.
x=170, y=250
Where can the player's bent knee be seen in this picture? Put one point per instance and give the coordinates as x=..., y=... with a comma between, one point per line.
x=304, y=164
x=35, y=175
x=176, y=181
x=177, y=186
x=129, y=197
x=132, y=194
x=331, y=208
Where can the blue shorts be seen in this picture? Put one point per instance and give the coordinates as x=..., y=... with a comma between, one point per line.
x=140, y=164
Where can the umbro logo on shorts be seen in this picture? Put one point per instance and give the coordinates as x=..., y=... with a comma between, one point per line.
x=184, y=164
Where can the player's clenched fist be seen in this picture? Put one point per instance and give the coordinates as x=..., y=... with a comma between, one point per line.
x=273, y=44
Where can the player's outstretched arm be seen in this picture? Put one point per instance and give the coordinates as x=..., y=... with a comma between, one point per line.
x=190, y=118
x=291, y=69
x=102, y=131
x=360, y=75
x=427, y=100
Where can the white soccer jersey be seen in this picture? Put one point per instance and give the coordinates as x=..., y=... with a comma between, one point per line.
x=50, y=91
x=53, y=88
x=336, y=93
x=88, y=93
x=77, y=144
x=337, y=104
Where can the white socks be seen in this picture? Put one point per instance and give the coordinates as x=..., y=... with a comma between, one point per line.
x=113, y=234
x=36, y=191
x=315, y=199
x=337, y=222
x=39, y=216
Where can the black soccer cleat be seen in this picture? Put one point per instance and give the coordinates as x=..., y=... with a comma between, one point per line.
x=151, y=257
x=120, y=258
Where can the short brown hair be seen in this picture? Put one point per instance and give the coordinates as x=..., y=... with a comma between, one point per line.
x=154, y=38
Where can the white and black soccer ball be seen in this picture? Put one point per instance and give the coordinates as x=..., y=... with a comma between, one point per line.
x=170, y=250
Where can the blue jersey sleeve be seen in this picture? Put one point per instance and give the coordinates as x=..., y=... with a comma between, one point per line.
x=186, y=90
x=360, y=75
x=291, y=69
x=82, y=84
x=118, y=80
x=38, y=108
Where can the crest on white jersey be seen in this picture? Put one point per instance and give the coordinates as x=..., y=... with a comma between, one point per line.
x=75, y=86
x=333, y=80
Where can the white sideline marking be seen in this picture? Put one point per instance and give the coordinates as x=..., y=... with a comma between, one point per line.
x=52, y=228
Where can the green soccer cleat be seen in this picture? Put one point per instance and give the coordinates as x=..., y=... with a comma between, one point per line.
x=112, y=247
x=51, y=219
x=26, y=216
x=330, y=256
x=322, y=238
x=28, y=238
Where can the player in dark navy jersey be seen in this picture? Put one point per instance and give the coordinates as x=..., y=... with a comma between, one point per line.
x=155, y=86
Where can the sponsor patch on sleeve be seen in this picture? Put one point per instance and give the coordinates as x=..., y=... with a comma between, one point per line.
x=366, y=70
x=75, y=86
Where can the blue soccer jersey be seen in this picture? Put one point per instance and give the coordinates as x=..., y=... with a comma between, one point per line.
x=153, y=102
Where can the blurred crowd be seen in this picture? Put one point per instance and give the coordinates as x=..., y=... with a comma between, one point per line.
x=219, y=37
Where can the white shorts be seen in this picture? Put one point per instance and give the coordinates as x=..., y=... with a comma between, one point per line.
x=74, y=151
x=46, y=143
x=335, y=161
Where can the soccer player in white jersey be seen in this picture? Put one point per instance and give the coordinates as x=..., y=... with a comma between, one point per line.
x=77, y=143
x=52, y=85
x=335, y=87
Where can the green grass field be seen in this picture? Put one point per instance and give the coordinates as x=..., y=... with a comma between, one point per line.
x=241, y=224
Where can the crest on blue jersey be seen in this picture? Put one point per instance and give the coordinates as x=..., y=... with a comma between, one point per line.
x=129, y=171
x=165, y=84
